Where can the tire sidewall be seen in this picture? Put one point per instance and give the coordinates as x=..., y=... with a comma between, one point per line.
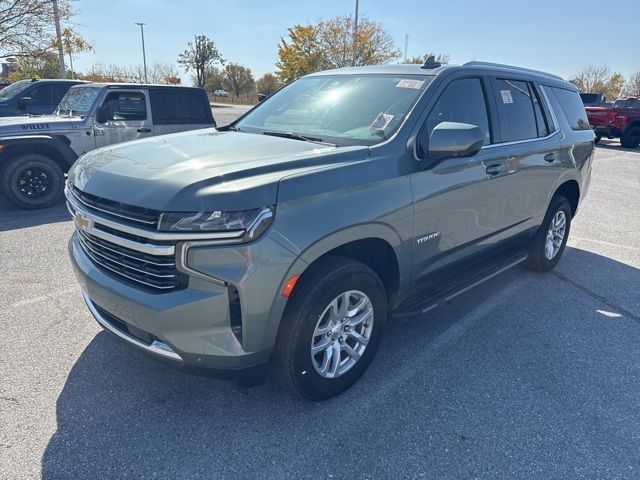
x=18, y=165
x=305, y=376
x=558, y=203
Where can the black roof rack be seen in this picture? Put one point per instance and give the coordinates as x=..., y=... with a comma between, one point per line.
x=511, y=67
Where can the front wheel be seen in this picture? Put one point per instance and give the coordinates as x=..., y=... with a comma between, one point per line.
x=32, y=181
x=547, y=245
x=631, y=138
x=331, y=328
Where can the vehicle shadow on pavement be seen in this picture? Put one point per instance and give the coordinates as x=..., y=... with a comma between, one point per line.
x=12, y=217
x=512, y=376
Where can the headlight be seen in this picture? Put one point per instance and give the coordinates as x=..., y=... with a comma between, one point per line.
x=254, y=222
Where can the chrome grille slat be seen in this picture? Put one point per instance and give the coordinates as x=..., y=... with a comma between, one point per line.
x=139, y=215
x=124, y=265
x=100, y=244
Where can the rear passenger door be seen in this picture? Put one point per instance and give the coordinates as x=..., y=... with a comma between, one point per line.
x=177, y=109
x=131, y=117
x=530, y=135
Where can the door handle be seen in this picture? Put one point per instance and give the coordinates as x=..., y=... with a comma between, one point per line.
x=551, y=157
x=144, y=130
x=97, y=131
x=496, y=169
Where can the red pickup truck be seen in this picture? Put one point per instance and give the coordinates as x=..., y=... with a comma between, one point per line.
x=621, y=120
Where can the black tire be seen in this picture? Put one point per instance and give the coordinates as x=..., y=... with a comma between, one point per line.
x=631, y=138
x=537, y=259
x=291, y=364
x=46, y=176
x=598, y=138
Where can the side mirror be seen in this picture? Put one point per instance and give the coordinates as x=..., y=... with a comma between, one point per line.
x=261, y=97
x=452, y=139
x=23, y=102
x=104, y=114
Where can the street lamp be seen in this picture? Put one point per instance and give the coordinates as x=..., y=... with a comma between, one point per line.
x=144, y=56
x=355, y=36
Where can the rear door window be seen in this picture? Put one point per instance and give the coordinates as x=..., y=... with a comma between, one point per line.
x=174, y=107
x=127, y=105
x=572, y=108
x=520, y=117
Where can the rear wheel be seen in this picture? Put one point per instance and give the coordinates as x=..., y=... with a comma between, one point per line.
x=631, y=138
x=547, y=245
x=32, y=181
x=331, y=329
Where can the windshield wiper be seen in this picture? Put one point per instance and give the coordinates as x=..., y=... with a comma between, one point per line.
x=297, y=136
x=235, y=129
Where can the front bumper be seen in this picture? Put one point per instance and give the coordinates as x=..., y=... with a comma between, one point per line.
x=606, y=131
x=191, y=328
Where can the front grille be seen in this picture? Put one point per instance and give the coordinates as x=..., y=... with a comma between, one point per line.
x=157, y=272
x=138, y=215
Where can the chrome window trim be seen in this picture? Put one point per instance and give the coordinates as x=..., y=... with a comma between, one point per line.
x=157, y=347
x=151, y=235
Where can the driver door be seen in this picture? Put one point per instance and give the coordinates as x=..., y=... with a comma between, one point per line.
x=131, y=117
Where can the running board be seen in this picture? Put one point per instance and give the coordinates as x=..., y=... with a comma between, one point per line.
x=430, y=297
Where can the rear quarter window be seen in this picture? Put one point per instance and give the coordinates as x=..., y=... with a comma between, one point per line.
x=172, y=107
x=572, y=108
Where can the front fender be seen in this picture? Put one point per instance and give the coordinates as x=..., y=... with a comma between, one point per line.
x=31, y=143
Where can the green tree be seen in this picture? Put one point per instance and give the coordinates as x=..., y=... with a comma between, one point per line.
x=329, y=44
x=440, y=57
x=72, y=43
x=214, y=80
x=267, y=84
x=237, y=79
x=599, y=79
x=42, y=65
x=632, y=88
x=27, y=26
x=198, y=56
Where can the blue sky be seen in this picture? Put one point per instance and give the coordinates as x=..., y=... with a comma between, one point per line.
x=558, y=36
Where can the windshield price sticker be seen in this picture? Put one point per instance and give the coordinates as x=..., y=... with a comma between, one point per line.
x=506, y=96
x=416, y=84
x=382, y=121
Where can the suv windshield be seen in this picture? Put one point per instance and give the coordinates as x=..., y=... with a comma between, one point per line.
x=341, y=109
x=14, y=89
x=78, y=100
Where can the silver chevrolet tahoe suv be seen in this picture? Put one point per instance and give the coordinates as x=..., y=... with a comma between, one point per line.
x=36, y=151
x=285, y=241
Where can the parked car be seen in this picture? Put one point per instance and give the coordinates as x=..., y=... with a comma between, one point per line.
x=220, y=93
x=35, y=152
x=286, y=240
x=33, y=97
x=622, y=120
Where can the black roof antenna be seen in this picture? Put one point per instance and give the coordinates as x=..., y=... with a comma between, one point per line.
x=430, y=62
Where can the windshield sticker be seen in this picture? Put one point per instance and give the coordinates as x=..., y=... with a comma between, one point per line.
x=410, y=84
x=34, y=126
x=506, y=96
x=382, y=121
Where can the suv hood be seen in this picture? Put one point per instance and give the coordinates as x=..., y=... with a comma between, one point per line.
x=24, y=124
x=203, y=169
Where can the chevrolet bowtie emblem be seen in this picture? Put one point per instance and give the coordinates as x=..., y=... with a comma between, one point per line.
x=82, y=222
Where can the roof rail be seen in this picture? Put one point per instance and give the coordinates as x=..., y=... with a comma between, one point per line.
x=529, y=70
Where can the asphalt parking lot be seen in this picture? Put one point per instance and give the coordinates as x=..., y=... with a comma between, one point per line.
x=526, y=376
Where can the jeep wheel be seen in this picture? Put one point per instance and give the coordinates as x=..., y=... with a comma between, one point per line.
x=32, y=181
x=331, y=328
x=548, y=243
x=631, y=138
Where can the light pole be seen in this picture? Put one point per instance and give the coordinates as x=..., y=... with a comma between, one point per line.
x=144, y=56
x=355, y=35
x=56, y=17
